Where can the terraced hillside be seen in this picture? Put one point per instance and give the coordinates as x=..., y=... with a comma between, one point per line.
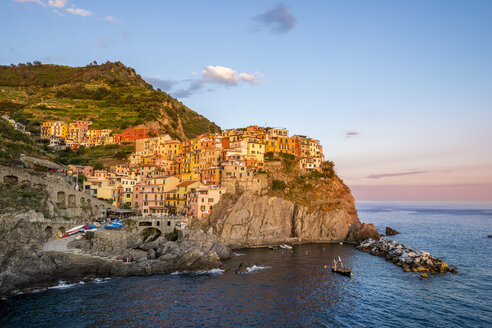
x=111, y=95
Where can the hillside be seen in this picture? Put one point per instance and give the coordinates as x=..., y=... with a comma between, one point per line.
x=111, y=95
x=13, y=143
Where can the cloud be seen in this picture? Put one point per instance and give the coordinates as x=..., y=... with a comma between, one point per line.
x=277, y=20
x=57, y=3
x=351, y=134
x=398, y=174
x=111, y=19
x=39, y=2
x=79, y=11
x=226, y=76
x=194, y=87
x=210, y=75
x=165, y=85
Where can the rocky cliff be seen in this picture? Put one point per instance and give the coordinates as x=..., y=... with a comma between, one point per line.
x=295, y=208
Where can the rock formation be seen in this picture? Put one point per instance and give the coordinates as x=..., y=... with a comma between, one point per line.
x=24, y=264
x=405, y=257
x=310, y=209
x=391, y=232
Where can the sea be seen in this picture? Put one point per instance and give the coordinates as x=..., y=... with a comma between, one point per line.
x=292, y=288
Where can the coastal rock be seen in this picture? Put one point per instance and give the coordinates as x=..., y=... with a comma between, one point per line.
x=243, y=268
x=407, y=258
x=391, y=232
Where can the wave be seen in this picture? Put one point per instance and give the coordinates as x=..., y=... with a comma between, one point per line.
x=63, y=285
x=211, y=272
x=256, y=268
x=239, y=254
x=101, y=280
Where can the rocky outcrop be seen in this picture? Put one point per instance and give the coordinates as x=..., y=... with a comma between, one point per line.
x=391, y=232
x=24, y=264
x=253, y=220
x=366, y=231
x=405, y=257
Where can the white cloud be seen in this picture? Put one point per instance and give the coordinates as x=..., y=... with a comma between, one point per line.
x=210, y=75
x=57, y=3
x=250, y=78
x=39, y=2
x=226, y=75
x=110, y=18
x=80, y=12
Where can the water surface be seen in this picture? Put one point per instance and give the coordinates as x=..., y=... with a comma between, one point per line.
x=293, y=289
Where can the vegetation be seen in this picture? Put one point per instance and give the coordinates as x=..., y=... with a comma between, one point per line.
x=278, y=185
x=13, y=143
x=111, y=95
x=95, y=156
x=172, y=236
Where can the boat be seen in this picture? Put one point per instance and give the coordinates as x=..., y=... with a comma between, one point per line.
x=285, y=246
x=114, y=225
x=342, y=271
x=272, y=247
x=490, y=236
x=74, y=230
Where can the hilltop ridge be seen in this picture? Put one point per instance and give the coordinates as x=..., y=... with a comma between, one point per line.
x=111, y=95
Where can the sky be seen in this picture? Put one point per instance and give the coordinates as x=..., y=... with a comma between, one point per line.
x=398, y=92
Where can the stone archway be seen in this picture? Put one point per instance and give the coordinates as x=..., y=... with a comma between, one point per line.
x=72, y=202
x=60, y=196
x=61, y=231
x=10, y=179
x=82, y=202
x=48, y=232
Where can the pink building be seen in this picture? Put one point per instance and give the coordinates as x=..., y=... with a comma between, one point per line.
x=204, y=199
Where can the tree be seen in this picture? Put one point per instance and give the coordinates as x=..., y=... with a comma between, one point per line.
x=98, y=166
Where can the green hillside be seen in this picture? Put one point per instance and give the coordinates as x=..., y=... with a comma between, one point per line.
x=111, y=95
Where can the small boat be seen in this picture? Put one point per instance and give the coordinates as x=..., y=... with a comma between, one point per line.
x=285, y=246
x=74, y=230
x=490, y=236
x=342, y=271
x=114, y=225
x=273, y=247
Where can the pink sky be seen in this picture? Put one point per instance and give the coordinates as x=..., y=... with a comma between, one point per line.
x=458, y=192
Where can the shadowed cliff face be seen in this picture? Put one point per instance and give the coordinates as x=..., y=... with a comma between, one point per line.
x=307, y=210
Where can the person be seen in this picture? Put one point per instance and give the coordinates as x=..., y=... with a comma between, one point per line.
x=335, y=263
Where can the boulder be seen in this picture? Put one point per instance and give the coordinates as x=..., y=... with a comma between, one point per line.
x=391, y=232
x=367, y=231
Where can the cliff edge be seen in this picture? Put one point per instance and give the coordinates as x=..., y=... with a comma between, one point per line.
x=285, y=204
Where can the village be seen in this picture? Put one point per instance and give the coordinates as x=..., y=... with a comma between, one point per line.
x=165, y=176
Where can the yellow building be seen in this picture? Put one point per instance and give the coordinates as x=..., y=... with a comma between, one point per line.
x=256, y=150
x=271, y=145
x=57, y=129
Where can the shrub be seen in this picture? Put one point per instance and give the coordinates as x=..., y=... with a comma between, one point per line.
x=278, y=185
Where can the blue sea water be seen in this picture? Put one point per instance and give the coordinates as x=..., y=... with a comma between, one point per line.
x=293, y=289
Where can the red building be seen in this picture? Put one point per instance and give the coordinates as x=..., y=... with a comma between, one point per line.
x=134, y=133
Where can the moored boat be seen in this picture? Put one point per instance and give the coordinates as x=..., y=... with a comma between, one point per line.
x=343, y=271
x=285, y=246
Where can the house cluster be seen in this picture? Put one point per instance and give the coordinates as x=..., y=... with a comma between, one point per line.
x=79, y=133
x=16, y=125
x=169, y=176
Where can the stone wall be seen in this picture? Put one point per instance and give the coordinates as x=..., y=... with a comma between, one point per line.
x=64, y=200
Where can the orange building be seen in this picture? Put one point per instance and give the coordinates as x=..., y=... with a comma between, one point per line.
x=134, y=133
